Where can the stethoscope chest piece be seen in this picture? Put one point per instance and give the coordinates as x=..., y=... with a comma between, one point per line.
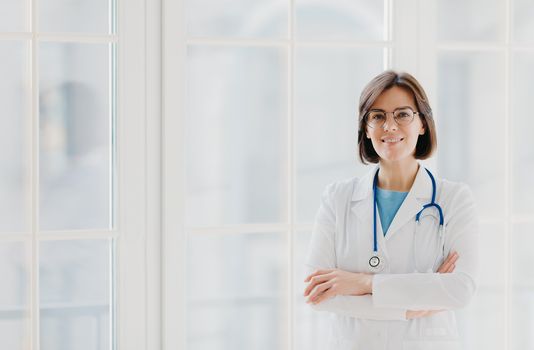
x=376, y=263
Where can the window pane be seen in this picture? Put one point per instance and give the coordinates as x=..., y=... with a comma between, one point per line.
x=340, y=19
x=522, y=280
x=14, y=296
x=236, y=135
x=523, y=25
x=88, y=16
x=13, y=14
x=492, y=255
x=477, y=330
x=236, y=297
x=237, y=18
x=311, y=327
x=327, y=90
x=75, y=295
x=481, y=20
x=14, y=137
x=522, y=140
x=470, y=125
x=74, y=116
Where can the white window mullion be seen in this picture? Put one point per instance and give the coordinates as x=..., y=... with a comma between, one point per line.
x=34, y=285
x=131, y=135
x=173, y=175
x=291, y=172
x=389, y=49
x=427, y=49
x=87, y=235
x=16, y=36
x=404, y=34
x=508, y=170
x=153, y=176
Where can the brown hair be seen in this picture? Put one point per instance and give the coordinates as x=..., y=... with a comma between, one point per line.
x=426, y=144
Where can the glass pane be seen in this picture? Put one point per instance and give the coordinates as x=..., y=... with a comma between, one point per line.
x=470, y=122
x=236, y=135
x=523, y=25
x=87, y=16
x=75, y=284
x=340, y=19
x=74, y=108
x=14, y=137
x=14, y=296
x=478, y=20
x=237, y=18
x=327, y=90
x=522, y=281
x=13, y=15
x=236, y=291
x=492, y=256
x=522, y=140
x=311, y=327
x=478, y=330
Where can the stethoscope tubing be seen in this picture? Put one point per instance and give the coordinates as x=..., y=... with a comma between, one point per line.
x=417, y=217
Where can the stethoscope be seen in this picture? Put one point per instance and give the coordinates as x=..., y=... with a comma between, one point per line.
x=377, y=262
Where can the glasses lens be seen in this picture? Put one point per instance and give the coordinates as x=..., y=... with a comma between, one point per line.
x=403, y=115
x=376, y=118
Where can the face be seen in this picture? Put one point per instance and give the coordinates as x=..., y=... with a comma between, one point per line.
x=393, y=142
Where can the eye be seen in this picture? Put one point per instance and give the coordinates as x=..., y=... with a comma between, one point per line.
x=404, y=113
x=376, y=116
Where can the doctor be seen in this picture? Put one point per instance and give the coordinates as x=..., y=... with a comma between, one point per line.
x=395, y=252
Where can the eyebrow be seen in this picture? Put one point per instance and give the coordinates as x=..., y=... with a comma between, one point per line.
x=379, y=109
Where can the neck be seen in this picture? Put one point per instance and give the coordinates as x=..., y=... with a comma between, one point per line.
x=397, y=176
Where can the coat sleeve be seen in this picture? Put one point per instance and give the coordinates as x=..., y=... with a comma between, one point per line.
x=434, y=291
x=322, y=255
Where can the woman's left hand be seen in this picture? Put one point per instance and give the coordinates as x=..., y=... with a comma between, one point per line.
x=326, y=284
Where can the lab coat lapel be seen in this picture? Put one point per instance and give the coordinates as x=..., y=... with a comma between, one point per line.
x=362, y=198
x=419, y=194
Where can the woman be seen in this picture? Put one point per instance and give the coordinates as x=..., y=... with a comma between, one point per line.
x=393, y=273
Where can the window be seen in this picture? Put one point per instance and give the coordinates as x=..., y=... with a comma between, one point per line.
x=261, y=113
x=72, y=215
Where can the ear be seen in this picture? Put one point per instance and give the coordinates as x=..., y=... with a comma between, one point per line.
x=422, y=131
x=423, y=128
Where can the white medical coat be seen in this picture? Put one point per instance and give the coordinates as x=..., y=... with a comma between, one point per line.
x=343, y=238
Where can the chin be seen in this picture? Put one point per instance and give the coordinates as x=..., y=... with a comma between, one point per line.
x=394, y=157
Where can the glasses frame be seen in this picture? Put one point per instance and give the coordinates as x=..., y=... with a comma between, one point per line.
x=366, y=116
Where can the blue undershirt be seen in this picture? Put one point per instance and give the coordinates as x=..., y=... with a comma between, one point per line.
x=388, y=203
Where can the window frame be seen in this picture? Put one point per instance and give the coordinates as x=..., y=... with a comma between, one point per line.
x=139, y=168
x=413, y=47
x=135, y=237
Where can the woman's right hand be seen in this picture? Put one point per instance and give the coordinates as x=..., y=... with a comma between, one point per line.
x=447, y=266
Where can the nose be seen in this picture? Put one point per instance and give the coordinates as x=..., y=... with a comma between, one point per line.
x=390, y=123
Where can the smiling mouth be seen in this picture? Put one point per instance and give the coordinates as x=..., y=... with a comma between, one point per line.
x=395, y=140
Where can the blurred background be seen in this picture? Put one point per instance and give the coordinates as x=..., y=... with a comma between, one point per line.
x=269, y=110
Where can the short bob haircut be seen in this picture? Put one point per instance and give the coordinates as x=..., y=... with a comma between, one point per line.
x=426, y=144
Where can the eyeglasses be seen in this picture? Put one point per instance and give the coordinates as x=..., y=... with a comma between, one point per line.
x=376, y=118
